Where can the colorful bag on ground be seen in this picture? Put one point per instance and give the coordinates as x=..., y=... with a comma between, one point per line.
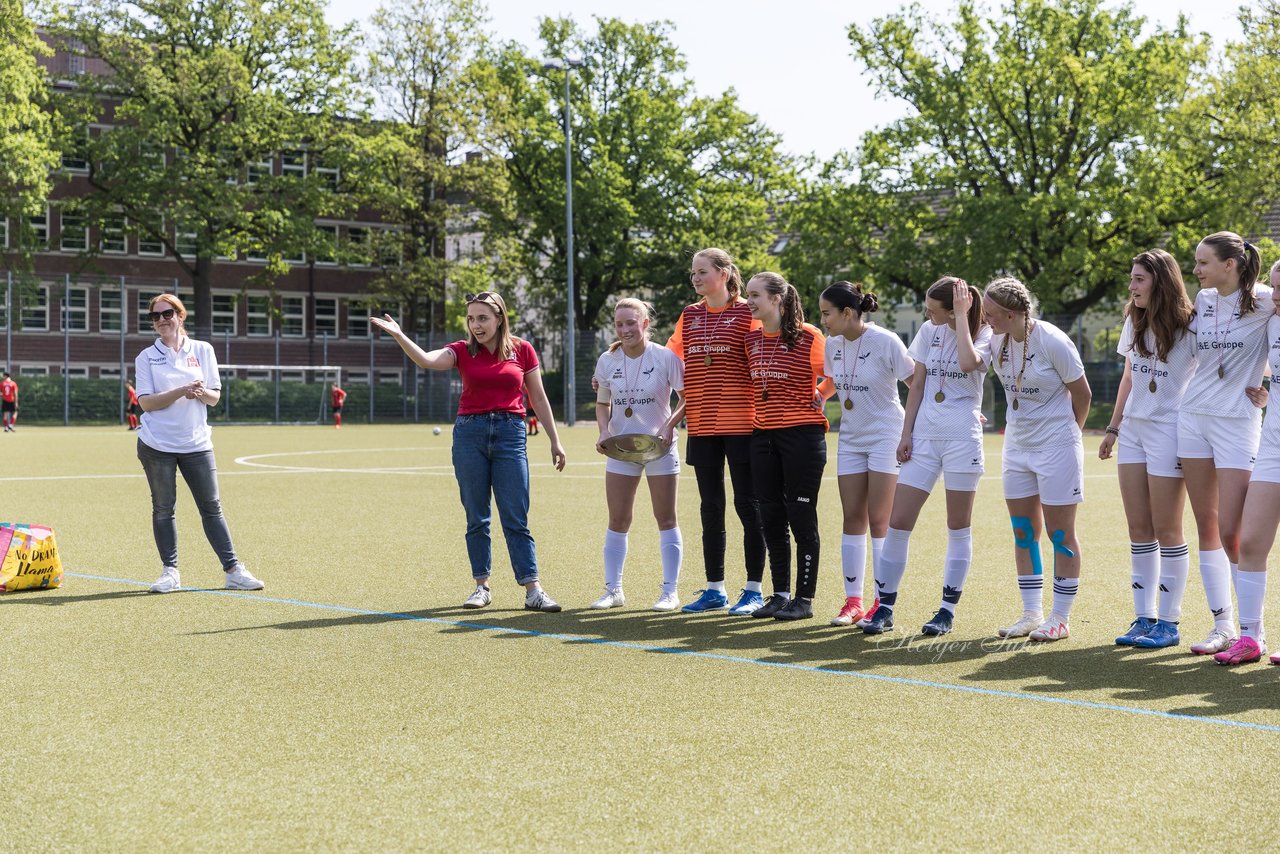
x=28, y=558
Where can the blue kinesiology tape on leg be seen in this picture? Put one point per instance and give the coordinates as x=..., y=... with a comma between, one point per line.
x=1024, y=537
x=1059, y=537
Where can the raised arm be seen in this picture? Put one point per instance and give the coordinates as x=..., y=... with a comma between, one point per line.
x=437, y=360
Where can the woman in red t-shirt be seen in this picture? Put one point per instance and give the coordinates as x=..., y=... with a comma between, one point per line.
x=489, y=452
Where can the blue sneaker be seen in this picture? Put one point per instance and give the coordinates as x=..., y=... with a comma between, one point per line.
x=880, y=621
x=747, y=603
x=939, y=625
x=708, y=600
x=1161, y=635
x=1137, y=629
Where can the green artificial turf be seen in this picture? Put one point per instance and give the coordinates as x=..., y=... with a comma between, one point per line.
x=353, y=705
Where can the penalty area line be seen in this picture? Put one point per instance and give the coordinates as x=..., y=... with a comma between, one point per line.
x=733, y=659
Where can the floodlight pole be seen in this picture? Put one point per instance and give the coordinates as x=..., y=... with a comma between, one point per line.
x=571, y=392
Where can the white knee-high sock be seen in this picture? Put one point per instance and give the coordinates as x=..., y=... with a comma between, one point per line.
x=615, y=554
x=671, y=544
x=959, y=558
x=1251, y=590
x=1144, y=575
x=893, y=565
x=1215, y=573
x=853, y=560
x=1175, y=564
x=1064, y=595
x=877, y=549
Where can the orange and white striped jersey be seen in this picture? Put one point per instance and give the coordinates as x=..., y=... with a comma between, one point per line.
x=717, y=387
x=785, y=378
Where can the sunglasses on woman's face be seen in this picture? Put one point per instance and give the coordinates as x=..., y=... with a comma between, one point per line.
x=167, y=314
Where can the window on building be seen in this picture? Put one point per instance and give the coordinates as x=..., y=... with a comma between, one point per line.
x=388, y=377
x=39, y=226
x=327, y=251
x=258, y=170
x=257, y=376
x=293, y=317
x=328, y=176
x=389, y=248
x=293, y=376
x=358, y=246
x=224, y=314
x=258, y=315
x=357, y=377
x=34, y=371
x=112, y=241
x=76, y=309
x=79, y=372
x=109, y=373
x=357, y=319
x=35, y=310
x=185, y=241
x=293, y=164
x=77, y=158
x=74, y=232
x=110, y=310
x=326, y=316
x=150, y=241
x=4, y=232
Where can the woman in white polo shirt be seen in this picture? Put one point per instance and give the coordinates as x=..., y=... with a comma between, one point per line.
x=941, y=436
x=1159, y=351
x=865, y=362
x=177, y=383
x=635, y=380
x=1043, y=461
x=1219, y=425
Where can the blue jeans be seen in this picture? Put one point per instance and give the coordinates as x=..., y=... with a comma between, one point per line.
x=201, y=474
x=489, y=458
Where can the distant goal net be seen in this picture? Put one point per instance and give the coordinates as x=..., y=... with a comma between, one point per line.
x=276, y=394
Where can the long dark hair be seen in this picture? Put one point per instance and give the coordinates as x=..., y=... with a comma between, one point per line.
x=943, y=291
x=1168, y=312
x=849, y=295
x=792, y=312
x=1228, y=246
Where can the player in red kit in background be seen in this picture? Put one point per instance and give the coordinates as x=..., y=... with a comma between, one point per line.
x=338, y=396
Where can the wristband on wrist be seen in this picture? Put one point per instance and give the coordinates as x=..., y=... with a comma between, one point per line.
x=1114, y=431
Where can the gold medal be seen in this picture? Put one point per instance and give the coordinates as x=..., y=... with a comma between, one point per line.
x=627, y=412
x=939, y=397
x=706, y=360
x=1152, y=385
x=1015, y=403
x=848, y=403
x=764, y=395
x=1222, y=372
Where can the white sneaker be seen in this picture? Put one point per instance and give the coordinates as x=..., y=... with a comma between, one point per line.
x=668, y=602
x=1216, y=641
x=1029, y=622
x=168, y=581
x=241, y=579
x=538, y=600
x=478, y=598
x=610, y=599
x=1052, y=629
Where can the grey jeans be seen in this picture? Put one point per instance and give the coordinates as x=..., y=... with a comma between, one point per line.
x=201, y=474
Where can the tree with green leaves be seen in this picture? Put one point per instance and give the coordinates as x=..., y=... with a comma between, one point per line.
x=659, y=172
x=198, y=99
x=1052, y=142
x=28, y=130
x=424, y=67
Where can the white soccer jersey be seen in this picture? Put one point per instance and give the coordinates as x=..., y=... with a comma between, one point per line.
x=182, y=427
x=1158, y=386
x=641, y=386
x=1043, y=415
x=866, y=374
x=1231, y=351
x=1270, y=444
x=958, y=414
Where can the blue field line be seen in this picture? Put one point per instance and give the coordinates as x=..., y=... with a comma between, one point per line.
x=896, y=680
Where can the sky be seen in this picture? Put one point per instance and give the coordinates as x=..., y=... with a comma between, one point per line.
x=790, y=62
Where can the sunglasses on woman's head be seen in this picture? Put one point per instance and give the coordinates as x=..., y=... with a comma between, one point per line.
x=167, y=314
x=483, y=296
